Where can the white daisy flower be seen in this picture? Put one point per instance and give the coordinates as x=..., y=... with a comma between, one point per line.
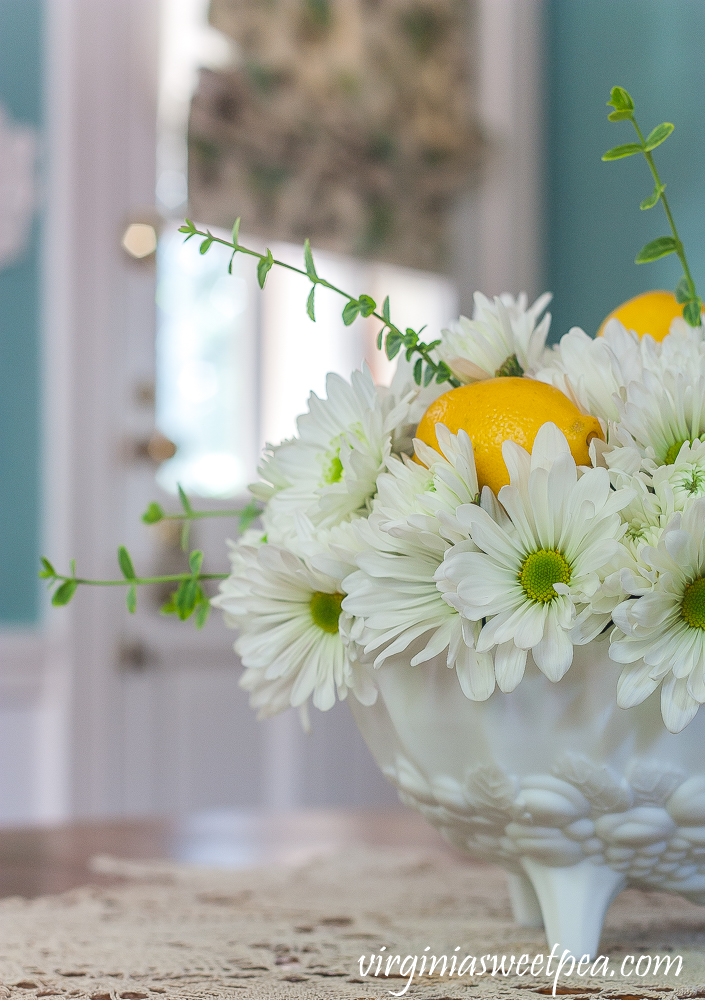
x=644, y=515
x=287, y=613
x=504, y=337
x=660, y=636
x=593, y=370
x=679, y=484
x=534, y=573
x=393, y=593
x=329, y=472
x=657, y=417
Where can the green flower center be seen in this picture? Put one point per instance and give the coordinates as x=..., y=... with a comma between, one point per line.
x=693, y=606
x=332, y=468
x=510, y=367
x=325, y=610
x=693, y=482
x=540, y=571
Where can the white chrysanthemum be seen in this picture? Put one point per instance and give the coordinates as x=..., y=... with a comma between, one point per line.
x=287, y=613
x=393, y=593
x=643, y=515
x=592, y=370
x=656, y=417
x=504, y=337
x=329, y=472
x=660, y=636
x=539, y=570
x=677, y=485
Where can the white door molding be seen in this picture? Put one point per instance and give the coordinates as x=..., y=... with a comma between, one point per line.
x=510, y=99
x=101, y=111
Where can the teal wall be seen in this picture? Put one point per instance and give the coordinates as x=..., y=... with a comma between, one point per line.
x=594, y=228
x=21, y=86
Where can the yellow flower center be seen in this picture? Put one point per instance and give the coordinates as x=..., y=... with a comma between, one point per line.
x=540, y=571
x=325, y=610
x=693, y=606
x=672, y=453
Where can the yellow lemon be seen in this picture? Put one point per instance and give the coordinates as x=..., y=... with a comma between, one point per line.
x=507, y=409
x=651, y=313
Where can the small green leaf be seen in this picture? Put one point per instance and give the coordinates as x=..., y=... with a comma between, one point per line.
x=125, y=563
x=683, y=292
x=657, y=136
x=620, y=99
x=169, y=607
x=428, y=374
x=131, y=599
x=351, y=311
x=249, y=513
x=379, y=339
x=417, y=371
x=64, y=593
x=186, y=597
x=310, y=310
x=48, y=572
x=619, y=152
x=202, y=611
x=367, y=305
x=153, y=514
x=385, y=309
x=188, y=228
x=444, y=373
x=620, y=116
x=195, y=561
x=656, y=249
x=653, y=197
x=236, y=231
x=264, y=267
x=692, y=312
x=184, y=499
x=206, y=244
x=308, y=259
x=393, y=344
x=230, y=263
x=411, y=337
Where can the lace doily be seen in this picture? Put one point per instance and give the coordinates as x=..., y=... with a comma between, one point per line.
x=296, y=932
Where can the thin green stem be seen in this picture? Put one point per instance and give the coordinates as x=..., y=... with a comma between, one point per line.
x=680, y=251
x=195, y=515
x=138, y=580
x=239, y=248
x=315, y=279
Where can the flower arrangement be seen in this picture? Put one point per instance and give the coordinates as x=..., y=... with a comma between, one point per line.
x=499, y=504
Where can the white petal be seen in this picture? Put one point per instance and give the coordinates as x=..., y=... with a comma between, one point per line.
x=509, y=665
x=553, y=655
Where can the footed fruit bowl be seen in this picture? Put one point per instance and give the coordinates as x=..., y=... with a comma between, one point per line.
x=574, y=797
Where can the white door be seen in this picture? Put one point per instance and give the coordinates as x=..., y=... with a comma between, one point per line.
x=146, y=714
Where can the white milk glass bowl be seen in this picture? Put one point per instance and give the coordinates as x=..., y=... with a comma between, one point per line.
x=576, y=798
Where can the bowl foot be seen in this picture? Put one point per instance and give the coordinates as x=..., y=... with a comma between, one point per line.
x=526, y=908
x=574, y=902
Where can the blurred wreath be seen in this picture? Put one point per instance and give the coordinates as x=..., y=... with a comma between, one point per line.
x=347, y=121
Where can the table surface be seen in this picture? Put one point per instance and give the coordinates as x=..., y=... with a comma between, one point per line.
x=35, y=861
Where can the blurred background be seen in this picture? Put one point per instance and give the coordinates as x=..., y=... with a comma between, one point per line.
x=428, y=148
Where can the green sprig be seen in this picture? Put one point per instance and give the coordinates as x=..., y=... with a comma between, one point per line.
x=662, y=246
x=186, y=599
x=390, y=337
x=189, y=598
